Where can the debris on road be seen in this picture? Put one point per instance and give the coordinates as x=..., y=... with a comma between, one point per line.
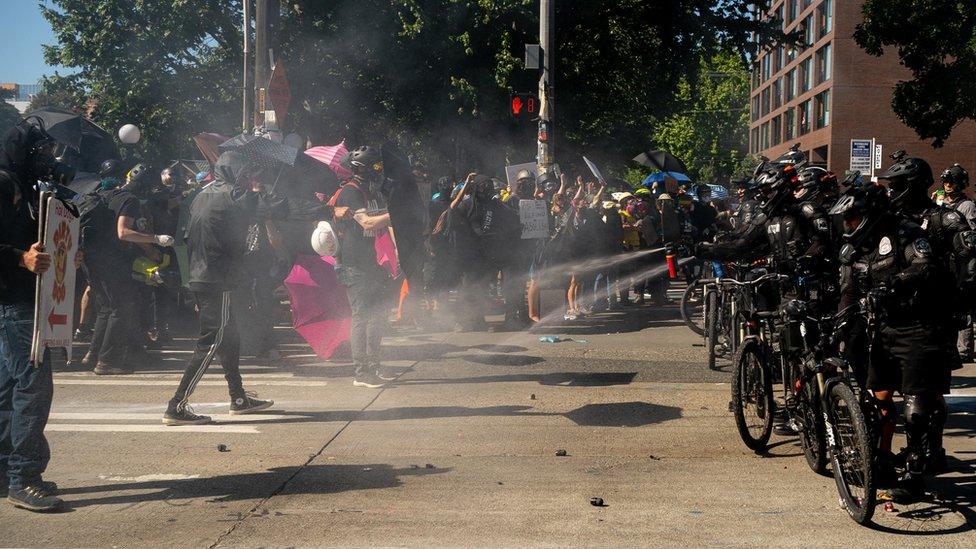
x=597, y=502
x=222, y=448
x=429, y=466
x=889, y=507
x=561, y=453
x=532, y=396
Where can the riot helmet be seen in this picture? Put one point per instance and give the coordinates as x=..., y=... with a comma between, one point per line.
x=909, y=179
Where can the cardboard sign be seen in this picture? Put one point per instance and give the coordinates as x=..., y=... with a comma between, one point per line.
x=534, y=217
x=56, y=287
x=512, y=171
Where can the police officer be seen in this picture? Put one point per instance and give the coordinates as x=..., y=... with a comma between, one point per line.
x=887, y=255
x=955, y=180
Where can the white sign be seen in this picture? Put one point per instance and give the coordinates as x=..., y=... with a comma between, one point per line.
x=878, y=155
x=595, y=170
x=56, y=298
x=861, y=155
x=512, y=171
x=534, y=217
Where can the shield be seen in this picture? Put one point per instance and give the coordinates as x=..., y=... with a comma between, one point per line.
x=319, y=307
x=661, y=160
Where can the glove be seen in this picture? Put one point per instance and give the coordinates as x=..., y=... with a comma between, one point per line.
x=165, y=240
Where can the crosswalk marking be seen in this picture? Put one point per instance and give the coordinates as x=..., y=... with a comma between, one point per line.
x=159, y=428
x=135, y=416
x=126, y=380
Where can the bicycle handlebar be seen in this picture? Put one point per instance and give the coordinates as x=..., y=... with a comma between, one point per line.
x=763, y=278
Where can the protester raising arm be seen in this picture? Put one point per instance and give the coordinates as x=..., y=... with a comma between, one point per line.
x=464, y=191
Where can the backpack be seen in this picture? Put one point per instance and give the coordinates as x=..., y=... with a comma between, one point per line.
x=97, y=220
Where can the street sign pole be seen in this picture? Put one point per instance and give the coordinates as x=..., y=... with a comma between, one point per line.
x=248, y=86
x=546, y=89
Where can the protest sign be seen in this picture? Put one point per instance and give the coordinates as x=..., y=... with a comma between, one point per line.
x=56, y=287
x=534, y=217
x=511, y=171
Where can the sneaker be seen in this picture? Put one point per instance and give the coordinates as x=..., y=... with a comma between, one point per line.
x=183, y=416
x=46, y=485
x=248, y=404
x=102, y=369
x=369, y=380
x=385, y=374
x=909, y=490
x=34, y=498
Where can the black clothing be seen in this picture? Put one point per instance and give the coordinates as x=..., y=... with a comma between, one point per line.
x=18, y=215
x=114, y=298
x=218, y=339
x=218, y=223
x=702, y=217
x=357, y=249
x=108, y=252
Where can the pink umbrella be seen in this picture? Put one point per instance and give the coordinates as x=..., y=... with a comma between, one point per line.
x=386, y=253
x=332, y=157
x=319, y=308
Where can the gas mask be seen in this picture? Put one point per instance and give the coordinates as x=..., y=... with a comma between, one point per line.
x=46, y=168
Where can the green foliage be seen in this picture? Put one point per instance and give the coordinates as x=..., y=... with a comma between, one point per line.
x=710, y=131
x=936, y=40
x=9, y=116
x=434, y=75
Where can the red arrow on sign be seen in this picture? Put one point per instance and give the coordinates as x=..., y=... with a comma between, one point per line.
x=56, y=320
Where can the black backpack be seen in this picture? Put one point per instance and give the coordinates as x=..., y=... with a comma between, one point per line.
x=98, y=221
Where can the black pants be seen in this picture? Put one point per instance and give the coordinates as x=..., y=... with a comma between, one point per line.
x=368, y=294
x=116, y=300
x=218, y=339
x=516, y=276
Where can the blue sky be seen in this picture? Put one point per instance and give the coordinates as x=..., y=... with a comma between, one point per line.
x=24, y=30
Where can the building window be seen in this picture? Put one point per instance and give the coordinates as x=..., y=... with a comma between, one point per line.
x=790, y=55
x=806, y=74
x=764, y=136
x=803, y=118
x=809, y=36
x=792, y=9
x=777, y=130
x=755, y=77
x=754, y=141
x=766, y=66
x=755, y=108
x=790, y=85
x=789, y=124
x=779, y=17
x=777, y=59
x=820, y=156
x=777, y=93
x=765, y=101
x=824, y=63
x=822, y=106
x=825, y=17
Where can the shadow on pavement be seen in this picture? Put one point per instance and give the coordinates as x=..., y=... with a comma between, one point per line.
x=567, y=379
x=312, y=479
x=623, y=414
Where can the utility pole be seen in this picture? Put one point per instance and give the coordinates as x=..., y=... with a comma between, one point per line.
x=248, y=86
x=546, y=88
x=260, y=59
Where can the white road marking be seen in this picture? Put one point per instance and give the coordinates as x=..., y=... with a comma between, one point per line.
x=128, y=381
x=177, y=376
x=122, y=428
x=150, y=478
x=128, y=416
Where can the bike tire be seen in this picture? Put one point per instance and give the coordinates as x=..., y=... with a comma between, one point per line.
x=813, y=437
x=752, y=396
x=691, y=299
x=711, y=326
x=851, y=454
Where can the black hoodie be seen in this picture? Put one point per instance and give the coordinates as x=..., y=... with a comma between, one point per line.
x=217, y=228
x=18, y=219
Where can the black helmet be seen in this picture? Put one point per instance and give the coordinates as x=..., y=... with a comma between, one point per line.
x=956, y=175
x=794, y=157
x=139, y=179
x=110, y=168
x=909, y=179
x=867, y=203
x=813, y=180
x=776, y=184
x=364, y=158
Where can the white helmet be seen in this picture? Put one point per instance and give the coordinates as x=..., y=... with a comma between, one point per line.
x=324, y=240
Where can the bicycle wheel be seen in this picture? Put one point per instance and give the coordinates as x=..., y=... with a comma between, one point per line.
x=851, y=453
x=711, y=326
x=752, y=396
x=813, y=439
x=692, y=307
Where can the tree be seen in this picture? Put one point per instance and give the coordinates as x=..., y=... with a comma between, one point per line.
x=936, y=41
x=434, y=75
x=710, y=132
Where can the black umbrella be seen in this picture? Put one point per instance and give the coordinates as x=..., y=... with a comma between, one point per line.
x=408, y=211
x=90, y=144
x=262, y=151
x=661, y=160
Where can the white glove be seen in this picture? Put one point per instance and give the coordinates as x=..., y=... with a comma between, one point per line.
x=324, y=240
x=165, y=240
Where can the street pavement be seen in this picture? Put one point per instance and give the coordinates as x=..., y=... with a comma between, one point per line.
x=461, y=451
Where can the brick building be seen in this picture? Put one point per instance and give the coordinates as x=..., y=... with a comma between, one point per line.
x=831, y=92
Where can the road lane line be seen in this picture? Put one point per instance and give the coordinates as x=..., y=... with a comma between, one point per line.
x=174, y=382
x=121, y=428
x=134, y=416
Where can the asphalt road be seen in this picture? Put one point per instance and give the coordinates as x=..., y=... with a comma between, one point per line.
x=461, y=451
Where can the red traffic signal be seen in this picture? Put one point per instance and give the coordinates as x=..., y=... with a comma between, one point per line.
x=524, y=104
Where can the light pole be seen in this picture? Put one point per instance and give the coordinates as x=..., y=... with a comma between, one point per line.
x=545, y=158
x=248, y=86
x=260, y=58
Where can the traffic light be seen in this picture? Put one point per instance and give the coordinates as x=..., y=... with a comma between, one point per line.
x=524, y=105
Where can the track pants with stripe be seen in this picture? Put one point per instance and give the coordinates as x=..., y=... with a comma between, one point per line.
x=218, y=340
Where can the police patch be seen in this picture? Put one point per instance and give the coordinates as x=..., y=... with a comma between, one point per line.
x=922, y=247
x=885, y=247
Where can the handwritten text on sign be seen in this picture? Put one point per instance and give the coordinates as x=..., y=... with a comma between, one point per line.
x=534, y=218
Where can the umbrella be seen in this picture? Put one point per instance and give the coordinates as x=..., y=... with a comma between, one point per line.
x=718, y=192
x=262, y=151
x=661, y=160
x=84, y=183
x=319, y=307
x=90, y=142
x=332, y=157
x=408, y=212
x=209, y=145
x=658, y=177
x=309, y=176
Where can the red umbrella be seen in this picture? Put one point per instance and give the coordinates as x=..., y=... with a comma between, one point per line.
x=209, y=145
x=319, y=308
x=332, y=157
